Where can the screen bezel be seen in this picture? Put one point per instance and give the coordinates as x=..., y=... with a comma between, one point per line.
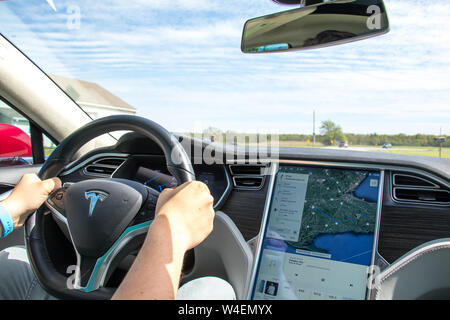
x=273, y=173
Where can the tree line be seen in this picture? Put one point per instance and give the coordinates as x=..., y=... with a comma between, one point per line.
x=332, y=134
x=417, y=140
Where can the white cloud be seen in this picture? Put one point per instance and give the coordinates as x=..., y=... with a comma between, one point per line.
x=145, y=51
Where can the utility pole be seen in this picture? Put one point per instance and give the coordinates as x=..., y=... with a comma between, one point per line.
x=314, y=128
x=440, y=140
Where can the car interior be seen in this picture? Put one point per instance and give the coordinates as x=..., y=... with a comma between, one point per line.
x=290, y=224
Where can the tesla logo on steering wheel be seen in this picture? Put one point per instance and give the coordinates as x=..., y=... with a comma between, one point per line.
x=95, y=196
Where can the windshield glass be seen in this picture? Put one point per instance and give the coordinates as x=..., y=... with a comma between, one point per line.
x=179, y=63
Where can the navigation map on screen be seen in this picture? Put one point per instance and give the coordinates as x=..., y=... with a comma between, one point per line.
x=319, y=237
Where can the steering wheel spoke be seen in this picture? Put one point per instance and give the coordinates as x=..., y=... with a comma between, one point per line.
x=55, y=203
x=147, y=212
x=93, y=273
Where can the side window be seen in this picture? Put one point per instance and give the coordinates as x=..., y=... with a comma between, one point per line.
x=15, y=140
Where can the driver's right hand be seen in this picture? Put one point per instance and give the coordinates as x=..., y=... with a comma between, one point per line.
x=187, y=212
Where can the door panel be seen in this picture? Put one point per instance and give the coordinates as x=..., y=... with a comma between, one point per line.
x=9, y=177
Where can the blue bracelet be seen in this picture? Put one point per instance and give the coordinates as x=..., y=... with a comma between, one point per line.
x=6, y=220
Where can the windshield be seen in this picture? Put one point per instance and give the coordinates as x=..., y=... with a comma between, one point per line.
x=179, y=63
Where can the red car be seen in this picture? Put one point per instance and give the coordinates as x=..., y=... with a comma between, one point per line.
x=15, y=144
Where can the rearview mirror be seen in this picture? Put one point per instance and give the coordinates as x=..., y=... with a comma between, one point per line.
x=324, y=24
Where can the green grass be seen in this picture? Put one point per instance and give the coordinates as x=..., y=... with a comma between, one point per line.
x=48, y=150
x=418, y=151
x=421, y=151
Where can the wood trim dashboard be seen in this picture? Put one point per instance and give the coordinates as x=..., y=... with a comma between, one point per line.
x=404, y=226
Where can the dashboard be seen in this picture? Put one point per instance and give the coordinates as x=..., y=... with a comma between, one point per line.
x=405, y=204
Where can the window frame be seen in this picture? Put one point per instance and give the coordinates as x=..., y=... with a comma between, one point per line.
x=36, y=135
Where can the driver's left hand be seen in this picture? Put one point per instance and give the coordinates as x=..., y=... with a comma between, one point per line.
x=28, y=195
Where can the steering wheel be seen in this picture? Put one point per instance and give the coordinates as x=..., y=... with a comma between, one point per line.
x=106, y=218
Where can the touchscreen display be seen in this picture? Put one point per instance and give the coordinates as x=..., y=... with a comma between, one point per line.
x=319, y=236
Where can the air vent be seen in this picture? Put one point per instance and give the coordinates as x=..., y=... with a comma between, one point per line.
x=422, y=195
x=248, y=176
x=98, y=170
x=417, y=189
x=116, y=162
x=410, y=180
x=248, y=182
x=104, y=167
x=253, y=169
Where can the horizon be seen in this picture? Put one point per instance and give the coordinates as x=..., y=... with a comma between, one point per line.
x=317, y=132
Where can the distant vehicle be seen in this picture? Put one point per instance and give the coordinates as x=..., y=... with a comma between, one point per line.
x=387, y=146
x=343, y=144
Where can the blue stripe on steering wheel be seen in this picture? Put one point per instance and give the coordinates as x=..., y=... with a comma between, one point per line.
x=89, y=287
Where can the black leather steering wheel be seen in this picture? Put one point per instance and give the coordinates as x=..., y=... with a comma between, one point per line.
x=105, y=218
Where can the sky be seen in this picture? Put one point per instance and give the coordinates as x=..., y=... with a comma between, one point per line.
x=179, y=63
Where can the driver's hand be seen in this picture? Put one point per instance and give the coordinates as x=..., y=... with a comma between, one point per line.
x=188, y=212
x=28, y=195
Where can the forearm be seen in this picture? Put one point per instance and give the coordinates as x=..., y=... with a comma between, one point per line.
x=4, y=206
x=17, y=214
x=1, y=226
x=155, y=274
